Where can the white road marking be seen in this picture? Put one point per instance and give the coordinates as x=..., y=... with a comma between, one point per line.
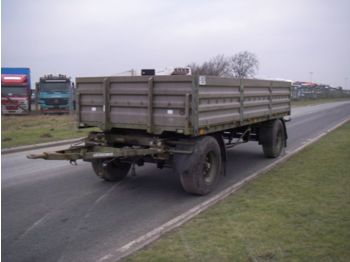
x=87, y=215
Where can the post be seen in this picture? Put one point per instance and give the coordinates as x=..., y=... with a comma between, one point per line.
x=241, y=100
x=71, y=98
x=187, y=113
x=36, y=97
x=150, y=105
x=311, y=73
x=106, y=106
x=270, y=99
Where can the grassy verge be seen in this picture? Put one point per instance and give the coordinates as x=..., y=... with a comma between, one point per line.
x=317, y=101
x=300, y=211
x=26, y=130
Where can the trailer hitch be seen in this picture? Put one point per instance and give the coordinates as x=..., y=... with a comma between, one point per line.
x=89, y=153
x=37, y=156
x=71, y=154
x=56, y=156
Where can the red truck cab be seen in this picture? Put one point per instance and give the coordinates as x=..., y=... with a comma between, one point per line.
x=15, y=91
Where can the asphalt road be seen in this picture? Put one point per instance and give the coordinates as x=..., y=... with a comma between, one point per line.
x=52, y=211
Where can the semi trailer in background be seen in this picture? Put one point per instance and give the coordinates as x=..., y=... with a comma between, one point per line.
x=184, y=122
x=15, y=90
x=55, y=94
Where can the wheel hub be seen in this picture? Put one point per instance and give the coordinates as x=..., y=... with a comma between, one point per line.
x=208, y=172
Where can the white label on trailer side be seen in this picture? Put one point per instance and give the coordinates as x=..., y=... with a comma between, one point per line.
x=202, y=80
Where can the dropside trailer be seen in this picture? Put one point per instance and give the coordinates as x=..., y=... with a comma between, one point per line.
x=183, y=122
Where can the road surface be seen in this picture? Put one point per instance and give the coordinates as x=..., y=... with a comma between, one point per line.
x=52, y=211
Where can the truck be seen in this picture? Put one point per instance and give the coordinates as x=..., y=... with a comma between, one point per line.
x=55, y=94
x=184, y=122
x=15, y=90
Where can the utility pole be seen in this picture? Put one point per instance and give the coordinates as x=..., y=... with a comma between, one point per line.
x=311, y=73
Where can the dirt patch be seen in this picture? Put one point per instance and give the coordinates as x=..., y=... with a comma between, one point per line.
x=45, y=135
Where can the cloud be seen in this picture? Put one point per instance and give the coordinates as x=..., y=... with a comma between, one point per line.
x=291, y=38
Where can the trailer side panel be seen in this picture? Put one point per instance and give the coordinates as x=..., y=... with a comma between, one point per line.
x=155, y=104
x=188, y=105
x=228, y=103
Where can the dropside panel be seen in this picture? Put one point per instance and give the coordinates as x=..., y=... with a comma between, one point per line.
x=155, y=104
x=225, y=103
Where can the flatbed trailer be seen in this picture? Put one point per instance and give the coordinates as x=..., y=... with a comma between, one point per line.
x=182, y=122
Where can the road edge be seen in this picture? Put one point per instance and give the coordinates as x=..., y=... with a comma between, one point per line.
x=156, y=233
x=74, y=140
x=37, y=146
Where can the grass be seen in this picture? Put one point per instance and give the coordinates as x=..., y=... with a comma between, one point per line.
x=33, y=129
x=300, y=211
x=309, y=102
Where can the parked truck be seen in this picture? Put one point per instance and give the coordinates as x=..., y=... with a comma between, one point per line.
x=55, y=94
x=15, y=90
x=183, y=122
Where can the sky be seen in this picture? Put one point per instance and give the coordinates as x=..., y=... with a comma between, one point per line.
x=299, y=40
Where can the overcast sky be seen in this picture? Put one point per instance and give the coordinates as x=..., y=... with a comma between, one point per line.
x=291, y=38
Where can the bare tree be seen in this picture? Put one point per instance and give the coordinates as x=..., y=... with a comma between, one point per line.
x=243, y=65
x=216, y=66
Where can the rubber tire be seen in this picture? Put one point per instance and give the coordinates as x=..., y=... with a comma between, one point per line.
x=272, y=138
x=114, y=171
x=188, y=167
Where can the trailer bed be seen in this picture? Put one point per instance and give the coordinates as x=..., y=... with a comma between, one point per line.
x=189, y=105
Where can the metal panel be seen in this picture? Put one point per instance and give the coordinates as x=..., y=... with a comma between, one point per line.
x=91, y=101
x=183, y=104
x=241, y=102
x=219, y=101
x=155, y=104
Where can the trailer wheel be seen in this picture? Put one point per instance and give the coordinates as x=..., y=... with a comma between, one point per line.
x=113, y=171
x=272, y=138
x=200, y=171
